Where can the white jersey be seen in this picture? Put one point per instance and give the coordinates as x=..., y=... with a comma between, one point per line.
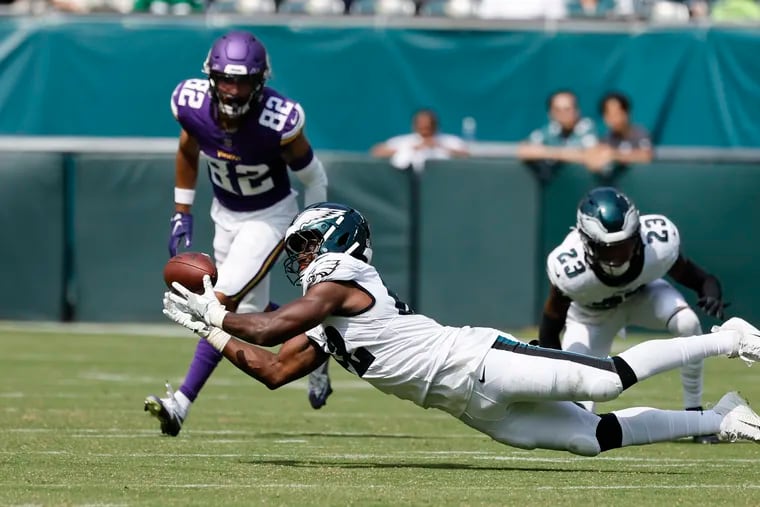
x=571, y=273
x=410, y=356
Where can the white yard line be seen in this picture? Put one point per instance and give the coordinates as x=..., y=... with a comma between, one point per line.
x=335, y=486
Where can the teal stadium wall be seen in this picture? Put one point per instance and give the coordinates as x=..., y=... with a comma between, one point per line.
x=114, y=76
x=471, y=251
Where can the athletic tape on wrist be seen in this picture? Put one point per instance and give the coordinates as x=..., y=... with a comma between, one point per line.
x=184, y=195
x=215, y=316
x=218, y=339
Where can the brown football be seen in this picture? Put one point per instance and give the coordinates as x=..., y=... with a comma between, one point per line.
x=188, y=269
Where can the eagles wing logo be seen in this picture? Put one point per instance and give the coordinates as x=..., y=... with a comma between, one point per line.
x=311, y=216
x=321, y=269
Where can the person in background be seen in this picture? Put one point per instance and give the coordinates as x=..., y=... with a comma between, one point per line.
x=590, y=8
x=566, y=137
x=424, y=143
x=624, y=143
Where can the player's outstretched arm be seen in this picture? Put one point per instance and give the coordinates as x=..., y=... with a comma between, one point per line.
x=553, y=319
x=707, y=286
x=296, y=358
x=289, y=320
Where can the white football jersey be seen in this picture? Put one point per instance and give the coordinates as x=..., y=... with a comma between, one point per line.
x=410, y=356
x=569, y=271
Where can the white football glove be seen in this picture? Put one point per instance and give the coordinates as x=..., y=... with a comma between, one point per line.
x=203, y=306
x=184, y=318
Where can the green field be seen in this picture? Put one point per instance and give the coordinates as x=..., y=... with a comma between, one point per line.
x=73, y=432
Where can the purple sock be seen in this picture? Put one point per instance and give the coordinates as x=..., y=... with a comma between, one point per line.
x=204, y=361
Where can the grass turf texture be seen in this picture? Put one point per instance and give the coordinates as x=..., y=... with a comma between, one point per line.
x=73, y=432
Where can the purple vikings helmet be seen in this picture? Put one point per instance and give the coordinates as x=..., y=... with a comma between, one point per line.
x=238, y=58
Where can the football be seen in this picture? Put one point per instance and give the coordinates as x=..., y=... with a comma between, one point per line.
x=188, y=269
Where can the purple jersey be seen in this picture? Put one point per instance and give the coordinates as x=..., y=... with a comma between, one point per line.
x=245, y=167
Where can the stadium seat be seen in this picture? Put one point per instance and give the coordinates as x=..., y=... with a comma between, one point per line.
x=449, y=8
x=384, y=7
x=312, y=7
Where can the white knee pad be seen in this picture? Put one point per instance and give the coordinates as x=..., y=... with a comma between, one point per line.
x=685, y=323
x=583, y=445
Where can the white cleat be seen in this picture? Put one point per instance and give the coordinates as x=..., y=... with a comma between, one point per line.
x=748, y=347
x=739, y=421
x=167, y=411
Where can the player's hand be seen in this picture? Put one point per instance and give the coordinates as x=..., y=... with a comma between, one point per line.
x=181, y=228
x=712, y=306
x=203, y=306
x=176, y=313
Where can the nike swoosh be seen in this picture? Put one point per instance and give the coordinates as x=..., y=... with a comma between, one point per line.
x=177, y=225
x=482, y=378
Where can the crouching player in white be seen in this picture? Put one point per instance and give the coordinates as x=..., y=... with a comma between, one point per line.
x=518, y=394
x=608, y=274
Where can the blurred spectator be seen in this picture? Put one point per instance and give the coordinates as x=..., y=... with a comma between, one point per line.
x=384, y=7
x=590, y=8
x=424, y=143
x=90, y=6
x=313, y=7
x=565, y=138
x=177, y=7
x=522, y=9
x=624, y=143
x=666, y=11
x=736, y=10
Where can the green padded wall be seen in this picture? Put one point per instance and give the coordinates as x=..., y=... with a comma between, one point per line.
x=478, y=235
x=32, y=223
x=122, y=210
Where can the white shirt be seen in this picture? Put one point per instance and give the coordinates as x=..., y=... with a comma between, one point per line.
x=406, y=155
x=522, y=9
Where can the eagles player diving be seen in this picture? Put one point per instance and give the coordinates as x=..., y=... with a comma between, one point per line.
x=516, y=393
x=608, y=274
x=245, y=135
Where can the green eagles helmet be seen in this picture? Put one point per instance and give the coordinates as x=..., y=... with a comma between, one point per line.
x=325, y=227
x=608, y=223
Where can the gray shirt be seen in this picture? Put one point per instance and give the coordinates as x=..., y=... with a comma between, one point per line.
x=636, y=138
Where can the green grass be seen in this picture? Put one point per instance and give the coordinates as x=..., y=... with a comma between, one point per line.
x=73, y=432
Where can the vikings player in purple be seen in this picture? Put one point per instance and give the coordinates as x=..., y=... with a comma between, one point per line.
x=247, y=135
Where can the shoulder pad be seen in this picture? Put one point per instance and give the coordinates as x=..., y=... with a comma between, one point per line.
x=566, y=265
x=188, y=96
x=294, y=124
x=660, y=234
x=330, y=267
x=282, y=115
